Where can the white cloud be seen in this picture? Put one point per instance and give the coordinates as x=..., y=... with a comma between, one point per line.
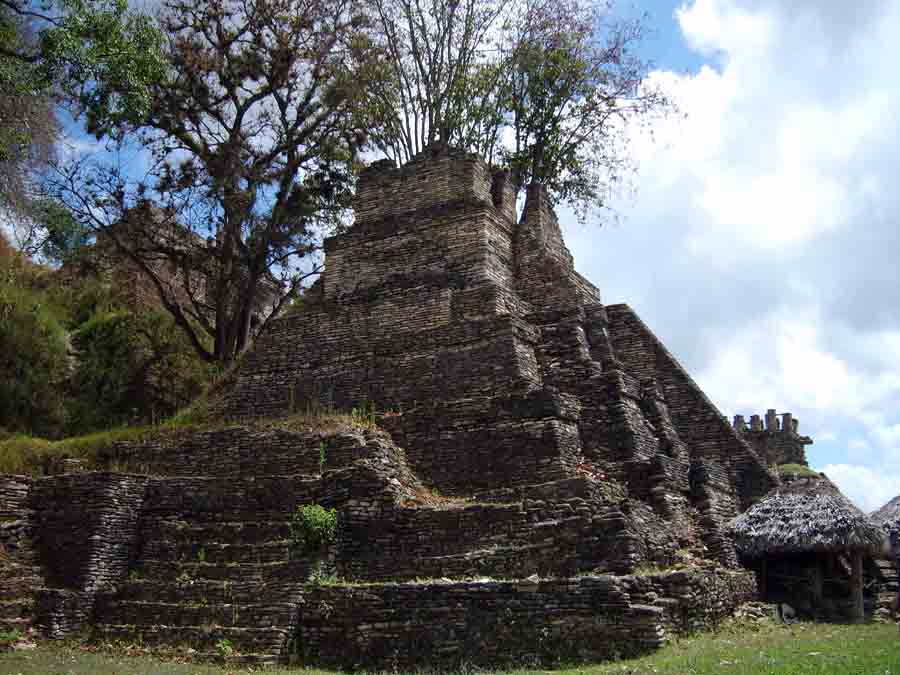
x=762, y=243
x=869, y=489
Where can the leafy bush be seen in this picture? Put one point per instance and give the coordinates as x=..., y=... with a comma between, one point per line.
x=313, y=527
x=76, y=357
x=34, y=360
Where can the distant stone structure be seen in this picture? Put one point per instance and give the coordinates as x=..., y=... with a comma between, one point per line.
x=778, y=441
x=550, y=483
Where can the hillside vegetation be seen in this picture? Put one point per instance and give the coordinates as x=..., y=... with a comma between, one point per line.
x=76, y=358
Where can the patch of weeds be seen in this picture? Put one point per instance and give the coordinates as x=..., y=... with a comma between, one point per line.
x=10, y=637
x=224, y=648
x=201, y=554
x=320, y=576
x=313, y=528
x=649, y=570
x=364, y=414
x=323, y=450
x=799, y=469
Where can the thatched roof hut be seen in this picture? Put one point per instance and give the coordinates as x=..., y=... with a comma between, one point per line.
x=888, y=517
x=805, y=515
x=804, y=528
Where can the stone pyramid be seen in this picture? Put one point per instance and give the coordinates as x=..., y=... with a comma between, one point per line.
x=547, y=482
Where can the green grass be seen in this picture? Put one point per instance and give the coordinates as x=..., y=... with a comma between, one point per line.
x=737, y=649
x=798, y=469
x=24, y=454
x=31, y=455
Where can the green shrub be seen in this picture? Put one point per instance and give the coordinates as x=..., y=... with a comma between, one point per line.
x=34, y=360
x=24, y=454
x=313, y=527
x=798, y=469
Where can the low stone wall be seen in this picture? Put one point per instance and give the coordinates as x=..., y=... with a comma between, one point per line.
x=478, y=623
x=232, y=451
x=15, y=513
x=502, y=623
x=694, y=599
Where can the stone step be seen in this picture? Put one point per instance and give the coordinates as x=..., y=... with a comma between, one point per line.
x=182, y=572
x=22, y=625
x=250, y=498
x=232, y=451
x=217, y=553
x=263, y=643
x=508, y=562
x=240, y=531
x=259, y=615
x=209, y=591
x=14, y=588
x=17, y=609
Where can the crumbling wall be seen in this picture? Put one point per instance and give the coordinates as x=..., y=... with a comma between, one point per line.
x=86, y=539
x=779, y=441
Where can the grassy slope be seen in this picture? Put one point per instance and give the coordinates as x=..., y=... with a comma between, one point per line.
x=21, y=454
x=749, y=649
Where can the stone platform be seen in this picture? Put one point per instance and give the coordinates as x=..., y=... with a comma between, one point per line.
x=185, y=562
x=548, y=482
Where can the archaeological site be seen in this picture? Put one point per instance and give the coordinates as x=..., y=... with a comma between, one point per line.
x=519, y=473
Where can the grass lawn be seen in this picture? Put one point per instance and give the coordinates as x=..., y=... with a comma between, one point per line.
x=740, y=649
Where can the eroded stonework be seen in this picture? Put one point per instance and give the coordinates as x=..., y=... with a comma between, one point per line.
x=549, y=484
x=505, y=364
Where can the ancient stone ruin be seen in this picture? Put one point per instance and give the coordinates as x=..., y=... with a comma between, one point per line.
x=778, y=442
x=548, y=482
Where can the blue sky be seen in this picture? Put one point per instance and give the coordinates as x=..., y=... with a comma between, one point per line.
x=760, y=238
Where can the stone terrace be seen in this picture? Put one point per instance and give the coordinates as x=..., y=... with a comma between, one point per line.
x=550, y=483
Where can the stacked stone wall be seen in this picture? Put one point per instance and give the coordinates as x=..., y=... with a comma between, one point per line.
x=778, y=441
x=476, y=623
x=88, y=525
x=524, y=622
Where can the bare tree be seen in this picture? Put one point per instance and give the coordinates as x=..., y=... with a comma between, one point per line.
x=433, y=49
x=574, y=87
x=253, y=136
x=545, y=88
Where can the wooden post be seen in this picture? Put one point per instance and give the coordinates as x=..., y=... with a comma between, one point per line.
x=818, y=585
x=856, y=587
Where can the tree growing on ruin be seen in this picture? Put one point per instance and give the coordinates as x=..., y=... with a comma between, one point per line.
x=574, y=85
x=252, y=135
x=544, y=88
x=437, y=73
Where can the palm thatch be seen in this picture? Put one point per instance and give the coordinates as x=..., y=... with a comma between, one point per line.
x=888, y=517
x=803, y=516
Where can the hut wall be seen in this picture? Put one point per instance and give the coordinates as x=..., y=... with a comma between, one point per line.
x=817, y=586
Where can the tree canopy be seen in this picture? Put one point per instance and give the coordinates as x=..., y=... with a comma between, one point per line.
x=95, y=57
x=253, y=133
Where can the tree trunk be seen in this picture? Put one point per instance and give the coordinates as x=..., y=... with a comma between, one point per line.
x=856, y=587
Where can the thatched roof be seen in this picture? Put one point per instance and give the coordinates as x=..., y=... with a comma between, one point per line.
x=805, y=515
x=888, y=517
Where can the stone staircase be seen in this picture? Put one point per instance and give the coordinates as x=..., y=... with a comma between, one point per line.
x=212, y=583
x=199, y=563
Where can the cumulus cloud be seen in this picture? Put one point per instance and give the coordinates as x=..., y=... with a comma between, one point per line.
x=761, y=245
x=868, y=488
